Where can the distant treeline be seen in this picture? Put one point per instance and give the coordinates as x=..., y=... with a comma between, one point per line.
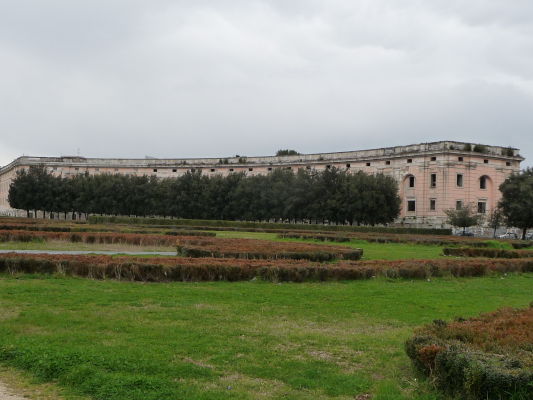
x=282, y=195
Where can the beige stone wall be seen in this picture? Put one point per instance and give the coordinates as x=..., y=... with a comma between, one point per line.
x=444, y=159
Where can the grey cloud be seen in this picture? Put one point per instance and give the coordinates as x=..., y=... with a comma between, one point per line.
x=215, y=78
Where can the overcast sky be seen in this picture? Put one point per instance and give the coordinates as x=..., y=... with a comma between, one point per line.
x=129, y=78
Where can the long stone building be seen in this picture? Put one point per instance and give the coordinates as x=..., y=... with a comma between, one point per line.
x=432, y=177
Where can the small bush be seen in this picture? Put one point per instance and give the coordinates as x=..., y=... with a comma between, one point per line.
x=488, y=357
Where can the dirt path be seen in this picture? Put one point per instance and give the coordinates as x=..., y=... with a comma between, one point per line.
x=7, y=394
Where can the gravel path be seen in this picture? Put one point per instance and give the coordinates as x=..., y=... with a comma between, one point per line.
x=81, y=252
x=7, y=394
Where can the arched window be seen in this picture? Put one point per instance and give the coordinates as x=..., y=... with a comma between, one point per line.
x=410, y=181
x=483, y=182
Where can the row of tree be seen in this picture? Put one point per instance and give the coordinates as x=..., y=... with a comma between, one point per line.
x=332, y=195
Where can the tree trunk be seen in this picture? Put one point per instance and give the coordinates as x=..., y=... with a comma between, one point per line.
x=27, y=213
x=524, y=231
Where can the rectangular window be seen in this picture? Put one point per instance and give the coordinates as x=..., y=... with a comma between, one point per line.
x=250, y=169
x=231, y=170
x=508, y=163
x=155, y=169
x=486, y=161
x=481, y=207
x=460, y=180
x=411, y=205
x=368, y=164
x=348, y=165
x=409, y=160
x=212, y=170
x=174, y=170
x=411, y=181
x=433, y=158
x=387, y=162
x=460, y=158
x=270, y=168
x=483, y=182
x=458, y=204
x=433, y=180
x=432, y=204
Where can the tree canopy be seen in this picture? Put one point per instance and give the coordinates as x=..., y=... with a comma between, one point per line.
x=463, y=217
x=517, y=200
x=333, y=195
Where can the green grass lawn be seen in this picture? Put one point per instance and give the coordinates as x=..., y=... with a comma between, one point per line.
x=247, y=340
x=371, y=251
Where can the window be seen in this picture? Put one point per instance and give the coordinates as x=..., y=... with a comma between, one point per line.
x=481, y=207
x=409, y=160
x=433, y=180
x=387, y=162
x=212, y=170
x=460, y=158
x=250, y=169
x=459, y=180
x=508, y=163
x=308, y=167
x=155, y=169
x=433, y=158
x=231, y=170
x=289, y=168
x=411, y=205
x=458, y=204
x=411, y=181
x=486, y=161
x=328, y=166
x=348, y=165
x=368, y=164
x=270, y=168
x=174, y=170
x=432, y=204
x=483, y=182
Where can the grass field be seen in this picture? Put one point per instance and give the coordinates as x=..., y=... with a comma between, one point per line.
x=249, y=340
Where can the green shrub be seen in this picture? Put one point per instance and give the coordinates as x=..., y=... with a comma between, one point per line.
x=94, y=219
x=472, y=359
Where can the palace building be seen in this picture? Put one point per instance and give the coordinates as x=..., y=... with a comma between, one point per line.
x=432, y=177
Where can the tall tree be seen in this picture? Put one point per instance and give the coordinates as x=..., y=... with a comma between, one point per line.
x=517, y=200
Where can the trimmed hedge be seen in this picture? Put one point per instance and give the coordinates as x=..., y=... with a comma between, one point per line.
x=321, y=237
x=102, y=238
x=264, y=249
x=489, y=357
x=489, y=253
x=166, y=269
x=94, y=219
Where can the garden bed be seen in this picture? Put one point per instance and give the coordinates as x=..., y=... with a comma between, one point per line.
x=488, y=357
x=165, y=269
x=489, y=253
x=263, y=249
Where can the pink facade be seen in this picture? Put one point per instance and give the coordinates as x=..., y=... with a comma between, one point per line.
x=432, y=177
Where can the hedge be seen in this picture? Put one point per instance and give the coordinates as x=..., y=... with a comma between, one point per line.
x=488, y=357
x=167, y=269
x=489, y=253
x=263, y=249
x=94, y=219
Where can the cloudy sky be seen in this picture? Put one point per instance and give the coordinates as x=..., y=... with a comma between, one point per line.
x=129, y=78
